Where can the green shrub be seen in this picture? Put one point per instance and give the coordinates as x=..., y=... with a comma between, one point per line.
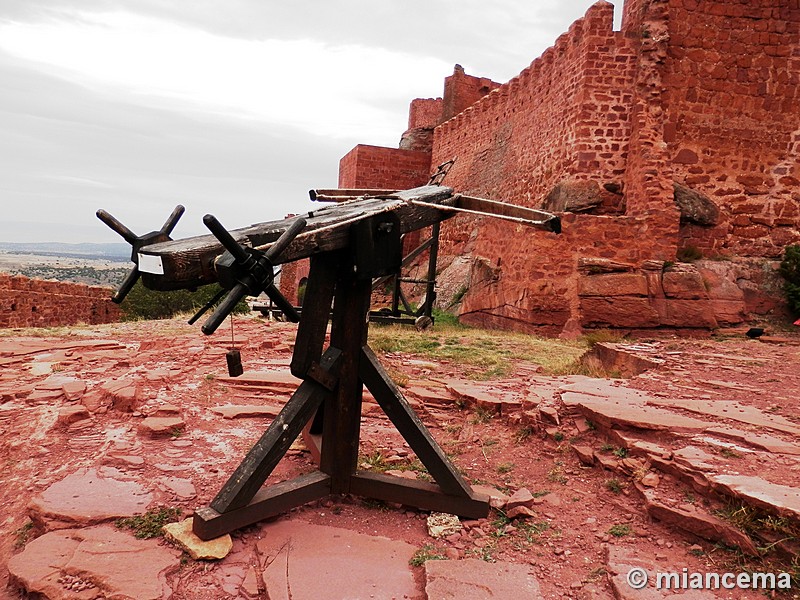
x=689, y=254
x=790, y=270
x=143, y=303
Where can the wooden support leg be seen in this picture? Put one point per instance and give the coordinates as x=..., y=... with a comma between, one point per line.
x=342, y=420
x=409, y=425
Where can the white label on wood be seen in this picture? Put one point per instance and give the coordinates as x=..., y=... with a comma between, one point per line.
x=149, y=263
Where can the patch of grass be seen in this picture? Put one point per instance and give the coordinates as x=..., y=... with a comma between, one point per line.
x=556, y=474
x=752, y=521
x=606, y=447
x=379, y=505
x=729, y=453
x=558, y=436
x=620, y=452
x=374, y=462
x=601, y=336
x=485, y=553
x=426, y=553
x=482, y=353
x=505, y=467
x=149, y=524
x=23, y=534
x=522, y=434
x=620, y=530
x=689, y=254
x=480, y=415
x=614, y=486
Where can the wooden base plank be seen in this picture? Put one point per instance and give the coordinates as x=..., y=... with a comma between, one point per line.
x=268, y=502
x=420, y=494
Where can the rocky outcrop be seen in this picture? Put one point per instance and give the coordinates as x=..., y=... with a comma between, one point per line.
x=695, y=206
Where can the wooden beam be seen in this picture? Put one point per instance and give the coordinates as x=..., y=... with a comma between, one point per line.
x=268, y=502
x=410, y=427
x=189, y=262
x=316, y=310
x=420, y=494
x=342, y=412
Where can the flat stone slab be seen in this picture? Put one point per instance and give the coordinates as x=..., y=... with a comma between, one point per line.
x=475, y=579
x=239, y=411
x=621, y=560
x=771, y=497
x=181, y=534
x=626, y=412
x=86, y=498
x=302, y=560
x=95, y=562
x=485, y=396
x=276, y=380
x=732, y=410
x=763, y=442
x=161, y=426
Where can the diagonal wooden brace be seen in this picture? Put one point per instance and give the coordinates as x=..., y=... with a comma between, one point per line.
x=270, y=448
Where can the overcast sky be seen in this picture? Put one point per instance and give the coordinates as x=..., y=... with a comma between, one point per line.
x=233, y=107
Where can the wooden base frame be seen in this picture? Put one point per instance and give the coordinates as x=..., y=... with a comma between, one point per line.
x=333, y=384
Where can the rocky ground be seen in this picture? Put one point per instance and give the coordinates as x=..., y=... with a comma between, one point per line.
x=690, y=462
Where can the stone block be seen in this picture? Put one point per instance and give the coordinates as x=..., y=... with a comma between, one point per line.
x=620, y=311
x=613, y=284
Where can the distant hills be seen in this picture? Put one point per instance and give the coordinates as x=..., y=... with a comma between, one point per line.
x=113, y=251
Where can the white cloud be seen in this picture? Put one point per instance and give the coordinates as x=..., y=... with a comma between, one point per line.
x=331, y=90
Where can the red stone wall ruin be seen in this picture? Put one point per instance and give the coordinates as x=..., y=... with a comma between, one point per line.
x=28, y=302
x=700, y=94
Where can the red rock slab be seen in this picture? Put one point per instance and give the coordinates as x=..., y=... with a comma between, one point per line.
x=772, y=497
x=487, y=397
x=732, y=410
x=701, y=524
x=86, y=498
x=238, y=411
x=475, y=579
x=428, y=396
x=96, y=562
x=161, y=426
x=621, y=560
x=763, y=442
x=302, y=560
x=123, y=392
x=624, y=413
x=621, y=358
x=271, y=380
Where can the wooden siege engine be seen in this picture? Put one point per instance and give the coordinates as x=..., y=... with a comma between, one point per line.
x=349, y=243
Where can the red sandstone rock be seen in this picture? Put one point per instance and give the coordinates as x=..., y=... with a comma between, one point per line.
x=93, y=562
x=356, y=566
x=161, y=426
x=585, y=454
x=474, y=579
x=622, y=413
x=619, y=358
x=621, y=560
x=522, y=497
x=86, y=498
x=701, y=524
x=238, y=411
x=613, y=284
x=774, y=498
x=619, y=311
x=123, y=393
x=68, y=415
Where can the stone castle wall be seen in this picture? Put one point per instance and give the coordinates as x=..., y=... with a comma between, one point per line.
x=26, y=302
x=701, y=96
